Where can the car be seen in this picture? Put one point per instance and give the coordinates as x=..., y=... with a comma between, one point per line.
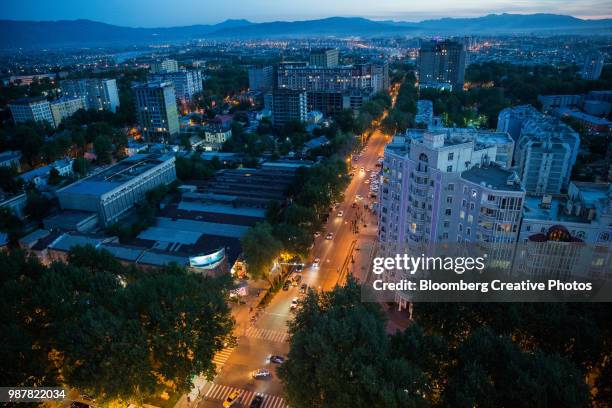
x=286, y=285
x=276, y=359
x=317, y=234
x=299, y=267
x=367, y=181
x=232, y=398
x=260, y=373
x=257, y=401
x=329, y=236
x=315, y=263
x=296, y=279
x=358, y=197
x=362, y=170
x=354, y=205
x=303, y=288
x=294, y=303
x=340, y=213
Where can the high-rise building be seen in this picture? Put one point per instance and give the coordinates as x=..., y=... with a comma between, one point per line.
x=261, y=78
x=325, y=57
x=32, y=109
x=65, y=107
x=186, y=83
x=442, y=62
x=97, y=93
x=593, y=65
x=286, y=105
x=439, y=187
x=545, y=151
x=156, y=110
x=167, y=65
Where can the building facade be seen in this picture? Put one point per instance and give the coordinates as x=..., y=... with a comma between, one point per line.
x=325, y=57
x=186, y=83
x=97, y=93
x=287, y=105
x=261, y=78
x=593, y=65
x=31, y=110
x=156, y=110
x=442, y=62
x=167, y=65
x=65, y=107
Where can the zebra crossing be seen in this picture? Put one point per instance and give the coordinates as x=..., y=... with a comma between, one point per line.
x=221, y=392
x=271, y=335
x=221, y=357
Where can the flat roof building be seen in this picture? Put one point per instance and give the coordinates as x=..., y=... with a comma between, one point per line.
x=32, y=110
x=115, y=190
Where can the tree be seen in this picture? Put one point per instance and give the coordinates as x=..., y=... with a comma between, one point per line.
x=37, y=206
x=260, y=248
x=9, y=182
x=54, y=177
x=107, y=330
x=103, y=147
x=81, y=166
x=340, y=345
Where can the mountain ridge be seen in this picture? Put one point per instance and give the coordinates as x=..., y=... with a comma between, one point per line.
x=83, y=32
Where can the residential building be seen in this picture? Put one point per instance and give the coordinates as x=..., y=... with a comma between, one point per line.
x=551, y=102
x=167, y=65
x=97, y=93
x=186, y=83
x=156, y=110
x=440, y=188
x=424, y=114
x=40, y=175
x=593, y=123
x=287, y=105
x=261, y=78
x=442, y=61
x=325, y=57
x=215, y=136
x=593, y=65
x=32, y=110
x=116, y=189
x=65, y=107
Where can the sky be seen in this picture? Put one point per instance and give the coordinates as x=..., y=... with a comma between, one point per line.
x=165, y=13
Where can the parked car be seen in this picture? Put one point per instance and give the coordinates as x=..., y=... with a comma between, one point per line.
x=340, y=213
x=315, y=263
x=294, y=303
x=330, y=236
x=260, y=373
x=232, y=398
x=317, y=234
x=303, y=288
x=276, y=359
x=286, y=285
x=296, y=279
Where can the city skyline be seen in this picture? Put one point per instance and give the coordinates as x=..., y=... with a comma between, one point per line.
x=157, y=13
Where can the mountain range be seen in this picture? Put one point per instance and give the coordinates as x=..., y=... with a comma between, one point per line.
x=79, y=33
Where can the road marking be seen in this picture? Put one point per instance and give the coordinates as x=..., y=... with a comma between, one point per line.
x=221, y=392
x=272, y=335
x=221, y=357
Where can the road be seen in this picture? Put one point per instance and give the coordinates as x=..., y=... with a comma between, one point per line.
x=268, y=335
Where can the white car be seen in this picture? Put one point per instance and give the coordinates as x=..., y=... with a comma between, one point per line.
x=317, y=234
x=367, y=181
x=294, y=303
x=358, y=197
x=340, y=213
x=315, y=263
x=260, y=373
x=330, y=236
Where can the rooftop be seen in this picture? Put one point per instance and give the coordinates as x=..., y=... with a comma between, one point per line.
x=494, y=177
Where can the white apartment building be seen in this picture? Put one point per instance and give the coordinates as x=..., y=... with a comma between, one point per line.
x=186, y=83
x=32, y=110
x=97, y=93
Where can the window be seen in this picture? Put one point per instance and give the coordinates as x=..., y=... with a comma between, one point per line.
x=446, y=224
x=462, y=214
x=460, y=227
x=451, y=187
x=468, y=231
x=449, y=200
x=470, y=218
x=447, y=211
x=450, y=156
x=465, y=190
x=449, y=168
x=471, y=206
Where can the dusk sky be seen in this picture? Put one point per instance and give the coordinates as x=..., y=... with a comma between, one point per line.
x=161, y=13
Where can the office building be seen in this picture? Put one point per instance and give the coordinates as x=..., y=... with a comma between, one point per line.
x=116, y=189
x=156, y=110
x=287, y=105
x=442, y=62
x=186, y=83
x=32, y=110
x=97, y=93
x=167, y=65
x=325, y=57
x=261, y=78
x=65, y=107
x=593, y=65
x=444, y=188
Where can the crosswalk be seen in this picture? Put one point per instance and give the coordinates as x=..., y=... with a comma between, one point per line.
x=271, y=335
x=221, y=357
x=221, y=392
